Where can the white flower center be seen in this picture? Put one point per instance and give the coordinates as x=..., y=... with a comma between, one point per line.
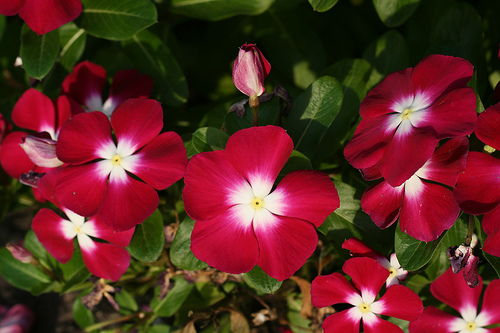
x=116, y=160
x=257, y=203
x=364, y=307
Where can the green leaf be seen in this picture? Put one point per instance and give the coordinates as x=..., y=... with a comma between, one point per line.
x=126, y=302
x=296, y=161
x=395, y=12
x=39, y=53
x=171, y=303
x=180, y=251
x=262, y=282
x=73, y=40
x=313, y=112
x=116, y=19
x=22, y=276
x=214, y=10
x=74, y=271
x=209, y=139
x=148, y=241
x=150, y=56
x=83, y=316
x=268, y=115
x=412, y=253
x=322, y=5
x=32, y=244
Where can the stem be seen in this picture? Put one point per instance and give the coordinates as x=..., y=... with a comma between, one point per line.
x=254, y=105
x=470, y=230
x=97, y=326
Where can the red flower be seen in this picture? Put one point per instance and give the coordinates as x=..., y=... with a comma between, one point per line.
x=42, y=16
x=406, y=115
x=249, y=70
x=98, y=181
x=452, y=290
x=240, y=221
x=424, y=205
x=367, y=280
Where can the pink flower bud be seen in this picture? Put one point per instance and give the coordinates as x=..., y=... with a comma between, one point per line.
x=20, y=253
x=41, y=151
x=249, y=70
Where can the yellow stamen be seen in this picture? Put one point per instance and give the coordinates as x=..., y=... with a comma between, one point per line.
x=364, y=307
x=406, y=113
x=392, y=271
x=257, y=203
x=471, y=326
x=116, y=159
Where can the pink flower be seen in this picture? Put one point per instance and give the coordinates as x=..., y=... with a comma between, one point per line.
x=98, y=181
x=367, y=280
x=359, y=249
x=18, y=319
x=249, y=70
x=43, y=16
x=406, y=115
x=424, y=205
x=452, y=290
x=87, y=81
x=240, y=221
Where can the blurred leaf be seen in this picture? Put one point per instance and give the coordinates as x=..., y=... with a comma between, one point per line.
x=238, y=322
x=412, y=253
x=159, y=329
x=39, y=53
x=32, y=244
x=395, y=12
x=150, y=56
x=494, y=262
x=180, y=250
x=83, y=316
x=313, y=112
x=209, y=139
x=73, y=40
x=322, y=5
x=262, y=282
x=116, y=19
x=74, y=271
x=126, y=301
x=268, y=115
x=22, y=276
x=305, y=289
x=148, y=241
x=214, y=10
x=171, y=303
x=417, y=282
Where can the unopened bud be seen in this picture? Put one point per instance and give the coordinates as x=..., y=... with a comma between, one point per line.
x=41, y=151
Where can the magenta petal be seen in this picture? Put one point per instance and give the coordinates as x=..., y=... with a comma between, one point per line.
x=492, y=243
x=85, y=84
x=259, y=154
x=43, y=16
x=284, y=243
x=84, y=137
x=382, y=202
x=478, y=187
x=12, y=157
x=104, y=260
x=371, y=173
x=129, y=84
x=81, y=188
x=308, y=195
x=378, y=325
x=65, y=108
x=331, y=289
x=488, y=126
x=433, y=320
x=491, y=302
x=358, y=248
x=342, y=321
x=226, y=242
x=95, y=227
x=47, y=184
x=428, y=209
x=35, y=111
x=11, y=7
x=162, y=162
x=490, y=221
x=367, y=275
x=136, y=122
x=210, y=182
x=400, y=302
x=51, y=230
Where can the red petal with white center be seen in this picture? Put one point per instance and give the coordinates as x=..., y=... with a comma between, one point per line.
x=43, y=16
x=81, y=188
x=341, y=321
x=408, y=151
x=212, y=185
x=55, y=234
x=488, y=126
x=437, y=74
x=161, y=162
x=452, y=289
x=136, y=122
x=85, y=137
x=85, y=84
x=433, y=320
x=399, y=302
x=377, y=325
x=259, y=154
x=11, y=7
x=95, y=227
x=332, y=289
x=12, y=157
x=393, y=94
x=367, y=275
x=35, y=111
x=478, y=187
x=128, y=84
x=65, y=108
x=285, y=243
x=127, y=202
x=382, y=202
x=358, y=248
x=428, y=209
x=226, y=242
x=447, y=162
x=370, y=140
x=490, y=310
x=104, y=260
x=306, y=194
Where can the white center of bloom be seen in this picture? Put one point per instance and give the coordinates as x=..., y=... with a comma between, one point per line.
x=364, y=307
x=257, y=203
x=116, y=160
x=470, y=326
x=406, y=113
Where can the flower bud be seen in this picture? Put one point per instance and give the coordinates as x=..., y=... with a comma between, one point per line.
x=41, y=151
x=20, y=253
x=249, y=70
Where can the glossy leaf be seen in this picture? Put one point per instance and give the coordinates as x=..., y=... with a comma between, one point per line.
x=412, y=253
x=73, y=40
x=209, y=139
x=39, y=53
x=262, y=282
x=214, y=10
x=171, y=303
x=322, y=5
x=395, y=12
x=180, y=250
x=23, y=276
x=148, y=241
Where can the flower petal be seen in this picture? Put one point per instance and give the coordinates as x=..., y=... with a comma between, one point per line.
x=358, y=248
x=12, y=157
x=492, y=242
x=433, y=320
x=95, y=227
x=376, y=325
x=11, y=7
x=367, y=275
x=85, y=85
x=306, y=194
x=490, y=310
x=65, y=108
x=43, y=16
x=259, y=154
x=343, y=321
x=35, y=111
x=332, y=289
x=488, y=126
x=382, y=202
x=399, y=302
x=227, y=242
x=490, y=221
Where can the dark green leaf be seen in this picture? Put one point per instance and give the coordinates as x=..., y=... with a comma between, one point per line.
x=126, y=301
x=73, y=40
x=148, y=241
x=313, y=112
x=494, y=262
x=158, y=329
x=22, y=276
x=262, y=282
x=209, y=139
x=412, y=253
x=171, y=303
x=268, y=115
x=150, y=56
x=116, y=19
x=32, y=244
x=395, y=12
x=296, y=161
x=74, y=271
x=39, y=53
x=180, y=251
x=81, y=314
x=214, y=10
x=322, y=5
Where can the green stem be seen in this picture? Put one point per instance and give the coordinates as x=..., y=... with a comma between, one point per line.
x=470, y=230
x=98, y=326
